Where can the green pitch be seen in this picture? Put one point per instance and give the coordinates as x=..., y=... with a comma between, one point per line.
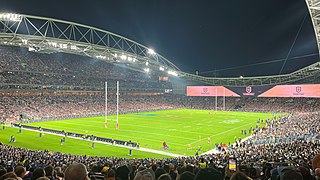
x=183, y=130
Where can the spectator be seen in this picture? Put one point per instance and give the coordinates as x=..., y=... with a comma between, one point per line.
x=208, y=173
x=122, y=173
x=164, y=177
x=37, y=173
x=186, y=176
x=144, y=175
x=20, y=171
x=9, y=175
x=76, y=171
x=240, y=176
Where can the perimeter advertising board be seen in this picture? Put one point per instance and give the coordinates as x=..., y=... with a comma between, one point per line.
x=209, y=91
x=305, y=90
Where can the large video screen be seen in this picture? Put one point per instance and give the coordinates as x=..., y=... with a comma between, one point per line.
x=209, y=91
x=306, y=90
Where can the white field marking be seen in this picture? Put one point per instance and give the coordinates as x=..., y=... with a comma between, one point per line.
x=231, y=121
x=221, y=133
x=125, y=124
x=148, y=133
x=204, y=120
x=131, y=137
x=117, y=145
x=127, y=118
x=172, y=119
x=178, y=119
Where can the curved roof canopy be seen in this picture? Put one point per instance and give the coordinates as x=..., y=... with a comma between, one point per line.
x=48, y=35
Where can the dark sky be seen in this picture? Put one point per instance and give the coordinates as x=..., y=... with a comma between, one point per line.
x=216, y=38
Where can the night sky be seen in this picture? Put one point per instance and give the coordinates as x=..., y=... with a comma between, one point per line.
x=216, y=38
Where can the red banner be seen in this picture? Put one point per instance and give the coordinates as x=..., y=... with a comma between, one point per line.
x=163, y=78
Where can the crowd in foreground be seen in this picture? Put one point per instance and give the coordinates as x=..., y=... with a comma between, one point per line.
x=286, y=148
x=26, y=164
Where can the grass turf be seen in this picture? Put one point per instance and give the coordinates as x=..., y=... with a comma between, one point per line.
x=179, y=128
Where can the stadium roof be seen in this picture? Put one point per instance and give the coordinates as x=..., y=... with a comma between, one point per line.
x=48, y=35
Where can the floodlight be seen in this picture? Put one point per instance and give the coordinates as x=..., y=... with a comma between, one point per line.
x=161, y=68
x=123, y=57
x=151, y=51
x=129, y=58
x=172, y=73
x=241, y=77
x=63, y=46
x=146, y=69
x=74, y=47
x=54, y=44
x=10, y=17
x=147, y=63
x=101, y=57
x=24, y=41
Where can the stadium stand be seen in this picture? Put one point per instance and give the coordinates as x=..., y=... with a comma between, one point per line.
x=21, y=69
x=45, y=87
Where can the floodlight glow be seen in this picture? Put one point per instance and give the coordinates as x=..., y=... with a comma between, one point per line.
x=34, y=49
x=24, y=41
x=10, y=17
x=123, y=57
x=101, y=57
x=54, y=44
x=147, y=63
x=74, y=47
x=129, y=58
x=151, y=51
x=115, y=55
x=134, y=59
x=241, y=77
x=161, y=68
x=172, y=73
x=63, y=46
x=146, y=69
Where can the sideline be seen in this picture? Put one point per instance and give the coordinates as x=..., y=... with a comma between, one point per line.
x=110, y=144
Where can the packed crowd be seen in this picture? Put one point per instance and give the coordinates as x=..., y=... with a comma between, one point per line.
x=55, y=105
x=280, y=104
x=19, y=69
x=58, y=106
